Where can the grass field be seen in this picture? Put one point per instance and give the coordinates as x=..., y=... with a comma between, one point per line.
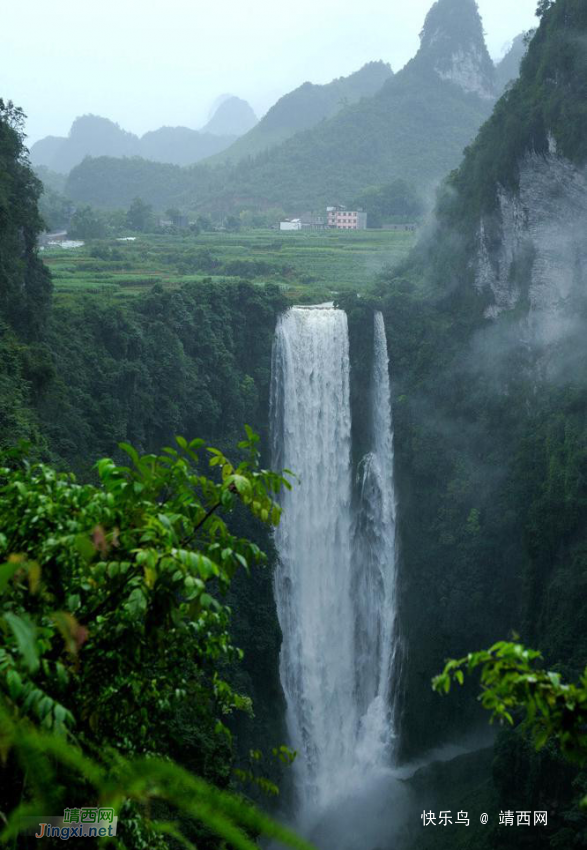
x=299, y=262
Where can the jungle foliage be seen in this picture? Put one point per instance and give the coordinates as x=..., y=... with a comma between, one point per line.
x=394, y=203
x=25, y=284
x=112, y=621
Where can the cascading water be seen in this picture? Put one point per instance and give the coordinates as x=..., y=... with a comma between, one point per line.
x=312, y=430
x=374, y=574
x=335, y=580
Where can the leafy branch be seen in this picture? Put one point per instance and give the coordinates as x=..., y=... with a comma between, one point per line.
x=514, y=686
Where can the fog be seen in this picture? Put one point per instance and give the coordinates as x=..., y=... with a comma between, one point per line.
x=147, y=64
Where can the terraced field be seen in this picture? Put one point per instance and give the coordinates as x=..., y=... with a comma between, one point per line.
x=299, y=262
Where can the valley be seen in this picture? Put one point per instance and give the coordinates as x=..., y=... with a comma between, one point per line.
x=288, y=516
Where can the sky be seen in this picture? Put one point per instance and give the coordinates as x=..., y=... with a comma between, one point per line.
x=149, y=63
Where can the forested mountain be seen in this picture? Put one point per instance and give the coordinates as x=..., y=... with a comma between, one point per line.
x=415, y=127
x=305, y=107
x=90, y=135
x=452, y=46
x=180, y=145
x=93, y=136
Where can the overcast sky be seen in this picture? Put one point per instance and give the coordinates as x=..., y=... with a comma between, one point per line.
x=148, y=63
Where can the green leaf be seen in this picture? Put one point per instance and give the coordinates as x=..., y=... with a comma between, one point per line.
x=14, y=683
x=136, y=604
x=85, y=547
x=7, y=571
x=25, y=634
x=130, y=451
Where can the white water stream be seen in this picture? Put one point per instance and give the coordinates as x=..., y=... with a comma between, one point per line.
x=335, y=581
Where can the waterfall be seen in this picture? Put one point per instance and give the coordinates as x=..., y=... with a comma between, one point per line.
x=334, y=583
x=374, y=578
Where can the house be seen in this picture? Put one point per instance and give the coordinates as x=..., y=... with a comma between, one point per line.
x=291, y=224
x=343, y=219
x=313, y=221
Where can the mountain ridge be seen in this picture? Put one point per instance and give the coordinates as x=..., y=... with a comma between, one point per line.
x=306, y=106
x=414, y=127
x=94, y=135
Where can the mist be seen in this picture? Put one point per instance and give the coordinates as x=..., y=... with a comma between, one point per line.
x=145, y=65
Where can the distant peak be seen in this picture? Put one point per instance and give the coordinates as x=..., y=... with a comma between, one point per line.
x=508, y=68
x=233, y=117
x=376, y=65
x=84, y=122
x=453, y=45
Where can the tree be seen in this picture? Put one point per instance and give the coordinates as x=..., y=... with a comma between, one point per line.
x=512, y=682
x=204, y=223
x=396, y=200
x=87, y=223
x=112, y=618
x=140, y=216
x=543, y=7
x=25, y=283
x=232, y=223
x=116, y=220
x=55, y=209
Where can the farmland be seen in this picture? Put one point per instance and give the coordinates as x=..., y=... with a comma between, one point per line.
x=301, y=263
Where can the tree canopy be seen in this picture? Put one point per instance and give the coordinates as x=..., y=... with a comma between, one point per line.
x=112, y=619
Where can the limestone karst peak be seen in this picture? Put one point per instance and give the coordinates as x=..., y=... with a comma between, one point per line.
x=453, y=45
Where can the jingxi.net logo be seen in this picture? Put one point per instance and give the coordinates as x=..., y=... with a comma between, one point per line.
x=76, y=823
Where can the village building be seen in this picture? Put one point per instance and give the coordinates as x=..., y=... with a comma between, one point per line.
x=343, y=219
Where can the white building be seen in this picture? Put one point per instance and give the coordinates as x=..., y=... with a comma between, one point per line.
x=290, y=224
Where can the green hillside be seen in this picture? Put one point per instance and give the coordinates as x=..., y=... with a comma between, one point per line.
x=305, y=107
x=415, y=127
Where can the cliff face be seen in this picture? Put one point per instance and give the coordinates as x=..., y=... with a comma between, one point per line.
x=515, y=211
x=542, y=228
x=488, y=330
x=453, y=45
x=465, y=70
x=487, y=325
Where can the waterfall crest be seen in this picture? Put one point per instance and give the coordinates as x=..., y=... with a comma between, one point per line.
x=335, y=580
